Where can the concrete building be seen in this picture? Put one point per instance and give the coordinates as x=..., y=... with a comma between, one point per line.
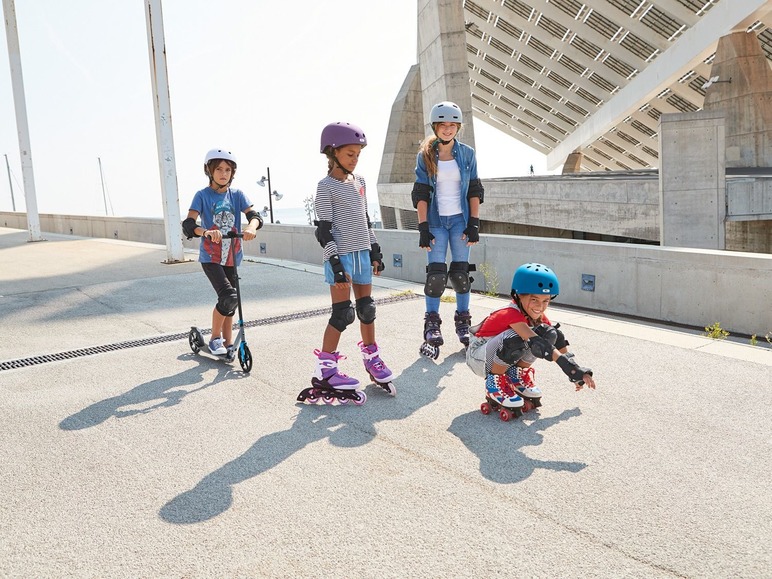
x=658, y=112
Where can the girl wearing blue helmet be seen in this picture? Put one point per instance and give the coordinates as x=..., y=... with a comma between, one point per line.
x=510, y=339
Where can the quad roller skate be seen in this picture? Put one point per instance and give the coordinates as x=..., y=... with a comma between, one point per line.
x=379, y=373
x=432, y=336
x=501, y=397
x=463, y=320
x=525, y=387
x=330, y=386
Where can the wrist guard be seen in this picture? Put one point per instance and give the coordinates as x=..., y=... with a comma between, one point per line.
x=376, y=257
x=572, y=369
x=337, y=269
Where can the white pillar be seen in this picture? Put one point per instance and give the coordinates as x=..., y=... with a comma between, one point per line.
x=25, y=150
x=163, y=125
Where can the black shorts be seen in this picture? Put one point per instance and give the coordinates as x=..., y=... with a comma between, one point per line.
x=222, y=277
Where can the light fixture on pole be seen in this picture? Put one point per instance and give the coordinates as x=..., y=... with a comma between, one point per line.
x=714, y=80
x=274, y=194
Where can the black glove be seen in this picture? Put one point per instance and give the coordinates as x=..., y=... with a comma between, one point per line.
x=337, y=269
x=572, y=369
x=425, y=236
x=472, y=230
x=376, y=257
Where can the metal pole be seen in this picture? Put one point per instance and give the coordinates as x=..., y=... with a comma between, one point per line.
x=10, y=183
x=102, y=178
x=270, y=194
x=163, y=126
x=17, y=83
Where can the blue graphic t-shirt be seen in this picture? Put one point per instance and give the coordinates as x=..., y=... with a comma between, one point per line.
x=220, y=211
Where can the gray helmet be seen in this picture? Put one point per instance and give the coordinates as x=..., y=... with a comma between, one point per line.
x=445, y=112
x=339, y=134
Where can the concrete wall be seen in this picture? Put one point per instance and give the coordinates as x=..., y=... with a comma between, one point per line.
x=692, y=180
x=686, y=286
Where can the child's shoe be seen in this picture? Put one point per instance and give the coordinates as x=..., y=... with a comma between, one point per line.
x=217, y=347
x=522, y=378
x=371, y=355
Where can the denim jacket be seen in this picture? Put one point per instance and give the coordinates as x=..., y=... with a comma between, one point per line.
x=425, y=186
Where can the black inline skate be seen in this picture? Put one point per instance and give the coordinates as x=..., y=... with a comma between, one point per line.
x=432, y=336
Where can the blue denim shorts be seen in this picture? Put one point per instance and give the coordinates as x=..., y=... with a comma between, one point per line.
x=357, y=265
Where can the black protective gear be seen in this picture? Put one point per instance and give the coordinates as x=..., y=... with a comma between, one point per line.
x=420, y=192
x=252, y=214
x=342, y=315
x=540, y=347
x=189, y=228
x=337, y=269
x=511, y=350
x=425, y=236
x=227, y=302
x=560, y=341
x=459, y=277
x=376, y=257
x=436, y=279
x=472, y=230
x=475, y=190
x=323, y=232
x=572, y=369
x=366, y=309
x=547, y=332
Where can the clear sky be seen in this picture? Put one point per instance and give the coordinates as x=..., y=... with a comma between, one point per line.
x=260, y=77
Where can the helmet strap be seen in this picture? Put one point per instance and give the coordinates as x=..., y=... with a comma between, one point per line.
x=349, y=175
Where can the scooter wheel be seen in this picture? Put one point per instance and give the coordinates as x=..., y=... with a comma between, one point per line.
x=193, y=341
x=245, y=358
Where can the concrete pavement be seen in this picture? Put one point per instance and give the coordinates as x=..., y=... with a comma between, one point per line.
x=150, y=461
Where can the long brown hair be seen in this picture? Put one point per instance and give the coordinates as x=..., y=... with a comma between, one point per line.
x=428, y=148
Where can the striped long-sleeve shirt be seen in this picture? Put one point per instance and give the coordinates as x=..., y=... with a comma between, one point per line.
x=344, y=204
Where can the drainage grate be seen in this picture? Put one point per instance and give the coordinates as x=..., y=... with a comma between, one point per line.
x=81, y=352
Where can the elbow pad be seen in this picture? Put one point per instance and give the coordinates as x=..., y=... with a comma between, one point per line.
x=323, y=232
x=252, y=214
x=561, y=341
x=475, y=190
x=420, y=192
x=189, y=228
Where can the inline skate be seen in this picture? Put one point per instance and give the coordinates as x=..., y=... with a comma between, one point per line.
x=463, y=320
x=378, y=371
x=432, y=336
x=329, y=385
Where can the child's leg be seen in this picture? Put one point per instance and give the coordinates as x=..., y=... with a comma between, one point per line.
x=371, y=354
x=226, y=303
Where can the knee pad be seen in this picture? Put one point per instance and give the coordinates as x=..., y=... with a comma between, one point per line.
x=342, y=315
x=547, y=332
x=366, y=310
x=436, y=278
x=511, y=349
x=227, y=302
x=459, y=276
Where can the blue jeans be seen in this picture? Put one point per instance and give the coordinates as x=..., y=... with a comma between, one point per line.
x=449, y=232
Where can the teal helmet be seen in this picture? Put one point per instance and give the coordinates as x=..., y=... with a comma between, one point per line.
x=535, y=278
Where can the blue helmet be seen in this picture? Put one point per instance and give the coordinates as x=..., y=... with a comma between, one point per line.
x=535, y=278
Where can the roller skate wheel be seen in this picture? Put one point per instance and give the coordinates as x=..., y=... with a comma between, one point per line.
x=389, y=387
x=327, y=399
x=505, y=414
x=485, y=408
x=527, y=405
x=343, y=401
x=360, y=399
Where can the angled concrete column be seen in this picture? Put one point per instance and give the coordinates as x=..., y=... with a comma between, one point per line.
x=692, y=180
x=405, y=132
x=745, y=101
x=443, y=61
x=573, y=163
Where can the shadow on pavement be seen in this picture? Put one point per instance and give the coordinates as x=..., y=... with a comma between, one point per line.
x=500, y=449
x=161, y=393
x=345, y=426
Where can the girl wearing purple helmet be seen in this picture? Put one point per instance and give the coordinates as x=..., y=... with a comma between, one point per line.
x=447, y=195
x=351, y=257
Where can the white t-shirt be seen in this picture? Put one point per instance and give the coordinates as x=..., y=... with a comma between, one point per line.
x=448, y=188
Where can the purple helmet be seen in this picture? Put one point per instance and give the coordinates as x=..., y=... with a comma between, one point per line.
x=339, y=134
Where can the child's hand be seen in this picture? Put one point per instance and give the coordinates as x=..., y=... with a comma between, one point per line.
x=587, y=380
x=249, y=234
x=215, y=235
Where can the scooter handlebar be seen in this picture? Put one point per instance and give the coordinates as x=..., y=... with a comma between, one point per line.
x=232, y=234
